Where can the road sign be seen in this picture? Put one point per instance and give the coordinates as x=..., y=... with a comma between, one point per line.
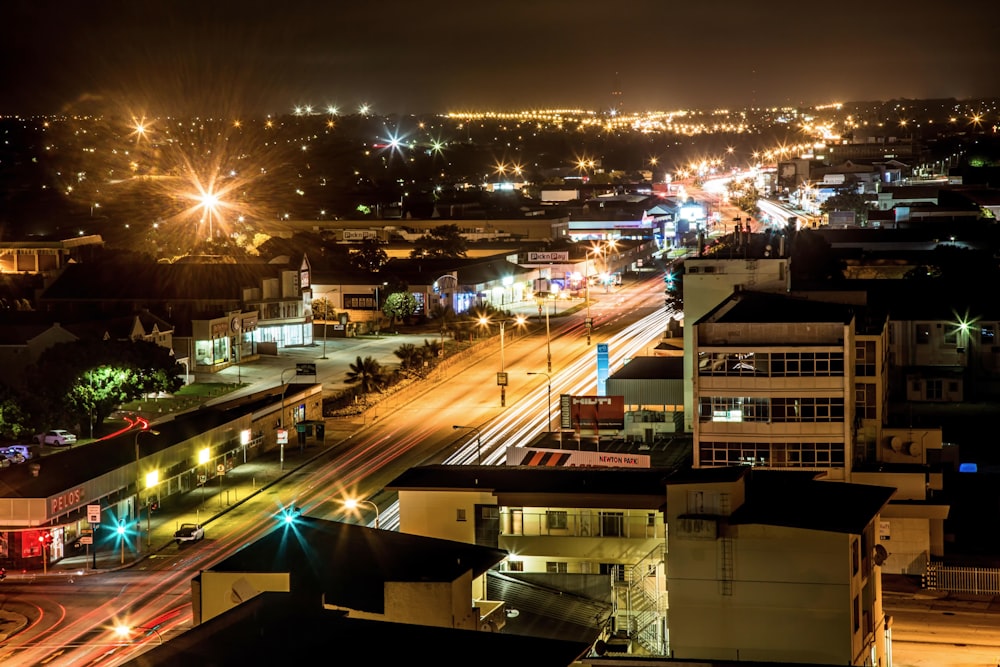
x=86, y=539
x=221, y=469
x=502, y=379
x=93, y=513
x=305, y=369
x=282, y=436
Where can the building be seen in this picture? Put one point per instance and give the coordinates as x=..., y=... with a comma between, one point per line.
x=124, y=475
x=709, y=565
x=312, y=588
x=775, y=570
x=223, y=313
x=786, y=382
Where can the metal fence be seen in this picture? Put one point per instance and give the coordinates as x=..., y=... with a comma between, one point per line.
x=954, y=579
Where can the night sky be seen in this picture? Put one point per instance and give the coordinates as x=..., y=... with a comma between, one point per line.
x=219, y=57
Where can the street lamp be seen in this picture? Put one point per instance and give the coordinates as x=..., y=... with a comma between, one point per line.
x=281, y=418
x=378, y=311
x=548, y=387
x=138, y=493
x=479, y=449
x=502, y=375
x=548, y=334
x=352, y=503
x=326, y=319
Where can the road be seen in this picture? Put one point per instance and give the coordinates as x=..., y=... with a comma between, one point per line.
x=75, y=617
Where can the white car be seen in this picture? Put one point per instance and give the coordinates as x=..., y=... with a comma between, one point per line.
x=189, y=532
x=56, y=437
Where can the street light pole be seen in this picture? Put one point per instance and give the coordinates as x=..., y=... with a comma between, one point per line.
x=501, y=376
x=548, y=343
x=352, y=503
x=548, y=388
x=479, y=449
x=281, y=418
x=326, y=318
x=138, y=479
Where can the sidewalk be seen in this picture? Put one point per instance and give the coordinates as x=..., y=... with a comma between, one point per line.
x=201, y=505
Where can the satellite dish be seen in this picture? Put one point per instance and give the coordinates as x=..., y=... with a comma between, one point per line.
x=879, y=554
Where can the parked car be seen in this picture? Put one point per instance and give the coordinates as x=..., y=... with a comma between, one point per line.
x=56, y=437
x=16, y=453
x=189, y=532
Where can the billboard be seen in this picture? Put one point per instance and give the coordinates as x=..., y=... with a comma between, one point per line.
x=360, y=235
x=573, y=458
x=592, y=412
x=558, y=256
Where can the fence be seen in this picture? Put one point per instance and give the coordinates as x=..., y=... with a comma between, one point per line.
x=955, y=579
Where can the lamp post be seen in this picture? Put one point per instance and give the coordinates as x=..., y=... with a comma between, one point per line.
x=326, y=319
x=352, y=503
x=138, y=479
x=281, y=418
x=479, y=449
x=548, y=388
x=502, y=375
x=378, y=311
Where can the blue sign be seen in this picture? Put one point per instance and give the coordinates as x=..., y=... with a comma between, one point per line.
x=602, y=369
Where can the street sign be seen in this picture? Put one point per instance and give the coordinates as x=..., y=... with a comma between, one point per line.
x=93, y=513
x=502, y=379
x=221, y=469
x=87, y=539
x=602, y=369
x=305, y=369
x=282, y=436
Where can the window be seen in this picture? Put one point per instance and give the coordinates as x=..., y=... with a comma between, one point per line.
x=987, y=334
x=515, y=565
x=460, y=515
x=612, y=523
x=555, y=567
x=855, y=556
x=934, y=390
x=556, y=520
x=857, y=613
x=616, y=570
x=923, y=334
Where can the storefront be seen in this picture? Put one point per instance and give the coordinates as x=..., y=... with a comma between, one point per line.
x=225, y=341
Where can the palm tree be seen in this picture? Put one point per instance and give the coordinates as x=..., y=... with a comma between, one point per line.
x=430, y=351
x=408, y=355
x=367, y=373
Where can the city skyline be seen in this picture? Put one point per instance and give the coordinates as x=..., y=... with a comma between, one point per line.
x=399, y=57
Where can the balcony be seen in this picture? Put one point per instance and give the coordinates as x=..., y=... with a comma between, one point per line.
x=629, y=524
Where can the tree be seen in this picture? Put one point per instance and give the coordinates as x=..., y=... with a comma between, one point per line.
x=15, y=421
x=88, y=379
x=368, y=256
x=323, y=309
x=441, y=241
x=399, y=305
x=444, y=316
x=367, y=374
x=409, y=355
x=847, y=199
